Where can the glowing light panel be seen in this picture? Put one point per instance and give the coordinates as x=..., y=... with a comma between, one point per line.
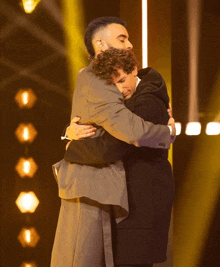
x=28, y=237
x=193, y=128
x=144, y=34
x=213, y=128
x=25, y=98
x=27, y=202
x=25, y=132
x=26, y=167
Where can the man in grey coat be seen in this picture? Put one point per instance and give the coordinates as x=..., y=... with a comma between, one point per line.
x=83, y=235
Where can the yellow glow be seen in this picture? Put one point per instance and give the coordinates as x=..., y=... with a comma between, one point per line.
x=144, y=34
x=178, y=126
x=213, y=128
x=28, y=237
x=27, y=202
x=26, y=167
x=30, y=5
x=197, y=202
x=198, y=197
x=25, y=132
x=25, y=98
x=28, y=264
x=74, y=29
x=193, y=128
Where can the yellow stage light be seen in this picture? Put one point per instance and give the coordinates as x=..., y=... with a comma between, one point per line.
x=29, y=5
x=74, y=29
x=28, y=237
x=25, y=132
x=25, y=98
x=193, y=128
x=144, y=34
x=213, y=128
x=178, y=126
x=26, y=167
x=28, y=264
x=27, y=202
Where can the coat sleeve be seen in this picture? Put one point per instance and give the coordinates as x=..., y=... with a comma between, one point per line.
x=107, y=109
x=97, y=151
x=107, y=149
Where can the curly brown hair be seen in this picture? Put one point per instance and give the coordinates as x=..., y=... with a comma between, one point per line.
x=107, y=63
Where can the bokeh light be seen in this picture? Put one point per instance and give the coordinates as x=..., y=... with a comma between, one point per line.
x=25, y=98
x=26, y=167
x=28, y=237
x=28, y=264
x=29, y=5
x=213, y=128
x=193, y=128
x=25, y=133
x=27, y=202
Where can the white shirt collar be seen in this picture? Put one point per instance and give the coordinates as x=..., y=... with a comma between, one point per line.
x=138, y=80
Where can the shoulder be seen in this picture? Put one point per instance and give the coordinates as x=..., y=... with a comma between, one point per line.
x=96, y=89
x=103, y=90
x=150, y=74
x=147, y=99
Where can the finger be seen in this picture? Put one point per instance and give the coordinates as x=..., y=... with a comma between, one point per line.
x=171, y=121
x=85, y=132
x=170, y=114
x=67, y=145
x=85, y=135
x=90, y=131
x=75, y=119
x=85, y=128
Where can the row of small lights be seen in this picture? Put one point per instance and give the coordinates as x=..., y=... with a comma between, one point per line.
x=194, y=128
x=26, y=167
x=27, y=202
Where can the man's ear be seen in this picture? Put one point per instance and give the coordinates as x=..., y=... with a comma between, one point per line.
x=98, y=44
x=104, y=45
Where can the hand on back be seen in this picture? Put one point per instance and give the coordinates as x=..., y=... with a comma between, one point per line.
x=78, y=131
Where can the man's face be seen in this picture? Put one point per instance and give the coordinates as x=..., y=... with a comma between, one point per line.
x=117, y=36
x=126, y=83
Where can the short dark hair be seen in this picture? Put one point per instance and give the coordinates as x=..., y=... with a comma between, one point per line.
x=106, y=64
x=93, y=26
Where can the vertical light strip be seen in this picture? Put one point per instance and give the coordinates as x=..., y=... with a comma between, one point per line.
x=193, y=29
x=74, y=29
x=144, y=34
